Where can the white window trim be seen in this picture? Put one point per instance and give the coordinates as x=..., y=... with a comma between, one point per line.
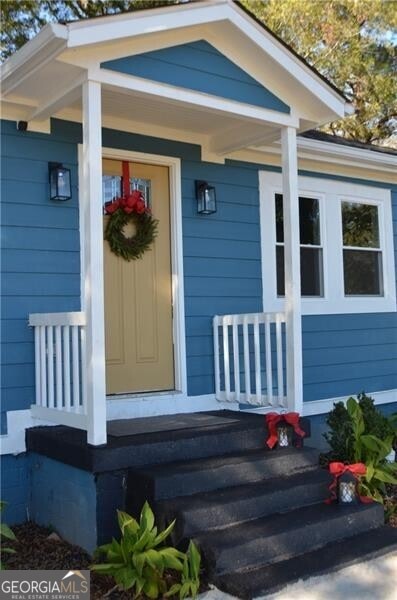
x=330, y=194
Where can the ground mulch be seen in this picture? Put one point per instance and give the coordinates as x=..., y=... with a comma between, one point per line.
x=36, y=550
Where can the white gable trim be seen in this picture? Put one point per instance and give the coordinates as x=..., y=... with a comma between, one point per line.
x=222, y=22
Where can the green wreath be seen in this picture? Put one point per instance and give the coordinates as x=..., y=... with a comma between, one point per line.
x=122, y=212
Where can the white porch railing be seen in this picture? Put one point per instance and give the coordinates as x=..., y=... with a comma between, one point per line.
x=59, y=340
x=249, y=359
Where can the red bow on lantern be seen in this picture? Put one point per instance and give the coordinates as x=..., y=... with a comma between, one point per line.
x=337, y=469
x=272, y=419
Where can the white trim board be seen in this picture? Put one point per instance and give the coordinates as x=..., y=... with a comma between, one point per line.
x=319, y=407
x=330, y=194
x=178, y=296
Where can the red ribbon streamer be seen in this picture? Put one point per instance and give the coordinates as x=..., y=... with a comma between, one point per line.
x=126, y=178
x=337, y=469
x=272, y=419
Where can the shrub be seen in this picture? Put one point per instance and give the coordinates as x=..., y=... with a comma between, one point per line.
x=5, y=532
x=140, y=560
x=340, y=436
x=190, y=579
x=352, y=440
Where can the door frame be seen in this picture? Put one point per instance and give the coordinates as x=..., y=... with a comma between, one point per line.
x=177, y=283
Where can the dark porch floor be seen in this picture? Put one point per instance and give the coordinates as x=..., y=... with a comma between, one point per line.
x=153, y=440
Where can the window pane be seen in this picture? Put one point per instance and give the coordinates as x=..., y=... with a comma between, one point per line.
x=144, y=186
x=311, y=271
x=362, y=273
x=280, y=270
x=360, y=225
x=309, y=220
x=279, y=218
x=111, y=187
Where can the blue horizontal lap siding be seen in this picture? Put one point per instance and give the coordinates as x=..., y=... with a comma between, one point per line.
x=198, y=66
x=40, y=249
x=221, y=260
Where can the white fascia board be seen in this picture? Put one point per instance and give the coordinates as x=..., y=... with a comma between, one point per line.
x=316, y=149
x=178, y=95
x=48, y=43
x=126, y=25
x=339, y=154
x=290, y=63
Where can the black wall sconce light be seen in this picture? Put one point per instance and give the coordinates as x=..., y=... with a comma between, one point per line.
x=60, y=186
x=206, y=198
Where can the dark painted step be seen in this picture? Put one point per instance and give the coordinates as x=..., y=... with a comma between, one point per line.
x=220, y=508
x=253, y=583
x=190, y=477
x=239, y=431
x=281, y=536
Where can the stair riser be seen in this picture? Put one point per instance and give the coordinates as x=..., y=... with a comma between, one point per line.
x=229, y=475
x=284, y=545
x=189, y=523
x=271, y=578
x=212, y=444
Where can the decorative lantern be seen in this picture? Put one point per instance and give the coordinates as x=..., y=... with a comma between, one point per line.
x=284, y=435
x=60, y=186
x=347, y=484
x=206, y=198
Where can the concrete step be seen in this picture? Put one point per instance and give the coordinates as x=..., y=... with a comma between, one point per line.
x=184, y=478
x=281, y=536
x=231, y=505
x=252, y=583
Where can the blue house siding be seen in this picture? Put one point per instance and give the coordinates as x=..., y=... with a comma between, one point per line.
x=343, y=354
x=198, y=66
x=40, y=250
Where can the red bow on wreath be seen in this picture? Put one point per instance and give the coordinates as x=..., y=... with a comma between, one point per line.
x=135, y=202
x=272, y=419
x=337, y=469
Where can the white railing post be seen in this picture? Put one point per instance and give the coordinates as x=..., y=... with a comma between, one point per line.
x=216, y=357
x=292, y=269
x=91, y=207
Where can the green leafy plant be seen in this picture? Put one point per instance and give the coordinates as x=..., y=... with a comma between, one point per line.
x=372, y=451
x=7, y=533
x=140, y=559
x=190, y=579
x=340, y=436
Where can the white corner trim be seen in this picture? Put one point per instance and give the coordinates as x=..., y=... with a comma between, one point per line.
x=17, y=422
x=319, y=407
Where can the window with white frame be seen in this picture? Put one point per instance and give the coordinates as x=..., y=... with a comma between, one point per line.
x=362, y=254
x=346, y=246
x=311, y=253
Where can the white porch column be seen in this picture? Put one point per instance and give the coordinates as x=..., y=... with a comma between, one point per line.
x=292, y=269
x=91, y=190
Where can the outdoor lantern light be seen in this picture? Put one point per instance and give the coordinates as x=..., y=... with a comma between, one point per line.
x=60, y=187
x=347, y=489
x=206, y=198
x=284, y=435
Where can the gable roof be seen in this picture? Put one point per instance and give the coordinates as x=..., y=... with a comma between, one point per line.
x=224, y=23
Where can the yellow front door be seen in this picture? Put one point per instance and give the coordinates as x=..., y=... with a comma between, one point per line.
x=138, y=296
